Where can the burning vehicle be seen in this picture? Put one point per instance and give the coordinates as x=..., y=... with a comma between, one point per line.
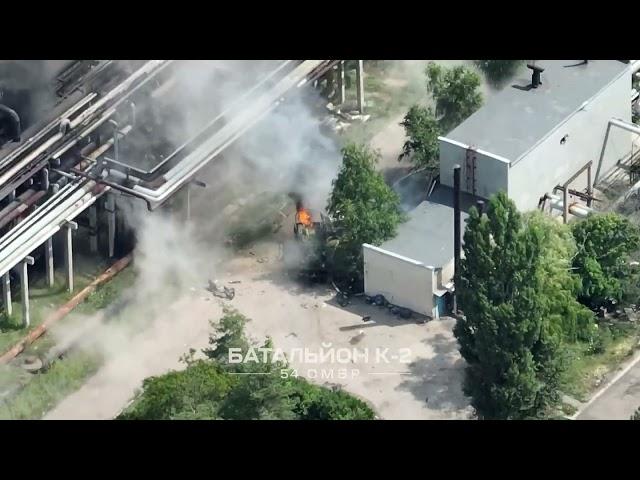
x=309, y=256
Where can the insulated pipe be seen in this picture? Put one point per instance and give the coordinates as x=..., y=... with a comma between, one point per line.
x=222, y=139
x=575, y=209
x=46, y=130
x=250, y=106
x=152, y=66
x=53, y=201
x=635, y=66
x=615, y=122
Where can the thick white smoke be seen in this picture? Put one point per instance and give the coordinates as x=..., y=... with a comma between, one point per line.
x=286, y=151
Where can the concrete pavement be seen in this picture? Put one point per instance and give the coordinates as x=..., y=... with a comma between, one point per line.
x=619, y=399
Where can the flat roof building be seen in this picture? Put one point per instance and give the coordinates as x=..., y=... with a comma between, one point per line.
x=527, y=140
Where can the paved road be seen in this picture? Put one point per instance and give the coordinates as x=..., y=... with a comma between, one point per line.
x=619, y=401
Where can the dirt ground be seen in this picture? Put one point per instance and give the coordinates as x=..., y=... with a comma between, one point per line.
x=417, y=377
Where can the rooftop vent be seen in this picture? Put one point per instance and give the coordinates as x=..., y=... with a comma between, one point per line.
x=535, y=74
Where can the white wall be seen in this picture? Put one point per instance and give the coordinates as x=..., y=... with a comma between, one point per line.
x=491, y=171
x=402, y=281
x=549, y=163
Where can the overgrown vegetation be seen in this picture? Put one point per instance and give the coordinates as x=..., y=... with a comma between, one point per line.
x=45, y=390
x=256, y=219
x=525, y=285
x=365, y=210
x=215, y=388
x=422, y=146
x=604, y=242
x=456, y=95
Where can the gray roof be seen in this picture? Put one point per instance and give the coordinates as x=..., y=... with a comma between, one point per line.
x=516, y=118
x=427, y=236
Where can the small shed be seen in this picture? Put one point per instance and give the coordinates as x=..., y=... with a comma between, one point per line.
x=415, y=269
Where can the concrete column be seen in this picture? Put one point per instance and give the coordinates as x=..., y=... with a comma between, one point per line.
x=12, y=196
x=48, y=259
x=93, y=228
x=360, y=85
x=68, y=253
x=24, y=284
x=45, y=179
x=341, y=86
x=6, y=294
x=110, y=208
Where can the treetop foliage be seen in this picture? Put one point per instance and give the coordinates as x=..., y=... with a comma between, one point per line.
x=456, y=92
x=422, y=130
x=214, y=388
x=365, y=210
x=510, y=334
x=604, y=243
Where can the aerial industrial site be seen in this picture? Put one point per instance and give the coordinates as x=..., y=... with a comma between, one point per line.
x=320, y=239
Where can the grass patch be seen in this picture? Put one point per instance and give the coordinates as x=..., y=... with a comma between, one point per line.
x=44, y=300
x=587, y=370
x=45, y=390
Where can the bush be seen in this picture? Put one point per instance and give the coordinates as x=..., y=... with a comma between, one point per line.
x=600, y=341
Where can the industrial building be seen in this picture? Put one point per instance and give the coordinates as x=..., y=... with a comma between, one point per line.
x=415, y=269
x=558, y=125
x=530, y=138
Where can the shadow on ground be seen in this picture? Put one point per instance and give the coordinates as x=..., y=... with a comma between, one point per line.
x=437, y=380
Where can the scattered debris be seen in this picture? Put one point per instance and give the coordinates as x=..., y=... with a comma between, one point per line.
x=221, y=292
x=379, y=300
x=367, y=318
x=233, y=282
x=262, y=260
x=343, y=299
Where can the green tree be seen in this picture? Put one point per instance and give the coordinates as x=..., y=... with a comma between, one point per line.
x=510, y=343
x=636, y=414
x=365, y=210
x=195, y=393
x=456, y=92
x=561, y=286
x=498, y=71
x=422, y=130
x=605, y=242
x=255, y=389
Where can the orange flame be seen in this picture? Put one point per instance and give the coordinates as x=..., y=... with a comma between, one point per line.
x=304, y=217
